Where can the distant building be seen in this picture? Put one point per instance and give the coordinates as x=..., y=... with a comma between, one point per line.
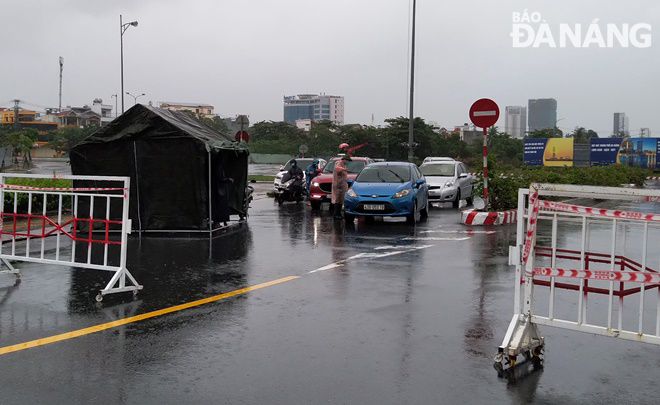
x=542, y=113
x=621, y=123
x=79, y=117
x=304, y=124
x=515, y=121
x=103, y=110
x=205, y=110
x=469, y=135
x=26, y=119
x=314, y=107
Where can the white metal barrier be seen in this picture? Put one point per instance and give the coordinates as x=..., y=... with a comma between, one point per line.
x=79, y=227
x=583, y=255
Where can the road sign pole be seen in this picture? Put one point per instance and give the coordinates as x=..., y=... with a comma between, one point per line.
x=485, y=167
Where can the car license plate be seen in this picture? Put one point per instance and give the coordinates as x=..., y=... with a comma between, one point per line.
x=374, y=207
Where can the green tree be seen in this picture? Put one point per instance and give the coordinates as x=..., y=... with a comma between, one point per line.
x=64, y=139
x=545, y=133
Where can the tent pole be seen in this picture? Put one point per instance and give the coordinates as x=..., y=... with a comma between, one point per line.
x=210, y=204
x=137, y=186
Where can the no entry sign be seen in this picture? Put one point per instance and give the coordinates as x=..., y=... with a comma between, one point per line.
x=484, y=113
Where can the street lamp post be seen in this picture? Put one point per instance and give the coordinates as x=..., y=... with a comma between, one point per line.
x=411, y=125
x=122, y=28
x=135, y=97
x=554, y=130
x=115, y=97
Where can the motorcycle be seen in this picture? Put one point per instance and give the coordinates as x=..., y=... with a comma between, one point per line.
x=291, y=189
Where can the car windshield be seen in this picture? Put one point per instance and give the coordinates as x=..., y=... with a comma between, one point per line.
x=384, y=174
x=437, y=169
x=302, y=163
x=353, y=166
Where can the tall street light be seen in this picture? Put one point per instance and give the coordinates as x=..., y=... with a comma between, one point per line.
x=412, y=86
x=135, y=97
x=554, y=130
x=122, y=28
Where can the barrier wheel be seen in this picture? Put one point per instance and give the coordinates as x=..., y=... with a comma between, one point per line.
x=99, y=297
x=135, y=292
x=498, y=358
x=512, y=362
x=538, y=350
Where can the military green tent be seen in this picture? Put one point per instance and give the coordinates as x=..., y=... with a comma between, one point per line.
x=184, y=174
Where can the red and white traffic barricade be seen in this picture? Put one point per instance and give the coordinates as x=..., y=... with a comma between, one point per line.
x=579, y=267
x=83, y=227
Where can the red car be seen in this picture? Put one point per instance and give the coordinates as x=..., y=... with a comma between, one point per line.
x=320, y=190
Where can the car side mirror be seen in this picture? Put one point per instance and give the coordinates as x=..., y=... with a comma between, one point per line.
x=419, y=182
x=349, y=182
x=281, y=168
x=463, y=176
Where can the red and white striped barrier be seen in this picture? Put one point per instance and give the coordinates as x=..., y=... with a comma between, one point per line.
x=476, y=218
x=606, y=275
x=598, y=212
x=15, y=187
x=653, y=178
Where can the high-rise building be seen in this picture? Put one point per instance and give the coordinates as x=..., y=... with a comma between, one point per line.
x=314, y=107
x=542, y=113
x=515, y=121
x=620, y=126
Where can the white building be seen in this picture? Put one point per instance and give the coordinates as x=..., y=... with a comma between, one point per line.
x=205, y=110
x=103, y=110
x=314, y=107
x=304, y=124
x=621, y=124
x=515, y=121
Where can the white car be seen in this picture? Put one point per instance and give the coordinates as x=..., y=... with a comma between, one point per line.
x=449, y=181
x=302, y=163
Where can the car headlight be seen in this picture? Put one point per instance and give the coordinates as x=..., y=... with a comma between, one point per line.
x=315, y=184
x=351, y=193
x=401, y=193
x=449, y=183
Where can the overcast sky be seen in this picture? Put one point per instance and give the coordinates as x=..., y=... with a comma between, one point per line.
x=242, y=56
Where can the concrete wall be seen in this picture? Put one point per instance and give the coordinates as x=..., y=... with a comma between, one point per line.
x=268, y=158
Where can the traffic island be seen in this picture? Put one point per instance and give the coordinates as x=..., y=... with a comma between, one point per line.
x=473, y=217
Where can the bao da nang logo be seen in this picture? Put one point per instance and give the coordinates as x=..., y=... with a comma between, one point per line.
x=531, y=30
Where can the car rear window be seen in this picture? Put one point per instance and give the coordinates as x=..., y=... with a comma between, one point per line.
x=438, y=169
x=384, y=174
x=302, y=163
x=354, y=166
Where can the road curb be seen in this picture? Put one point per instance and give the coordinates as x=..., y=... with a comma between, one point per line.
x=476, y=218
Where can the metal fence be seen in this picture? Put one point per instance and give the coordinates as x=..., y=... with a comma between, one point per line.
x=79, y=227
x=583, y=268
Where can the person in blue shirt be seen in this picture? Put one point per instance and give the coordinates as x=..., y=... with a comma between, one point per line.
x=311, y=172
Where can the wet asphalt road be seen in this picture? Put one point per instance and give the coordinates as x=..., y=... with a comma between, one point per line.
x=406, y=315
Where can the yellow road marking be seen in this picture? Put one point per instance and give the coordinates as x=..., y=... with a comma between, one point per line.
x=136, y=318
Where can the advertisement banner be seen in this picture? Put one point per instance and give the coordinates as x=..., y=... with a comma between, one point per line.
x=639, y=152
x=558, y=152
x=533, y=151
x=604, y=151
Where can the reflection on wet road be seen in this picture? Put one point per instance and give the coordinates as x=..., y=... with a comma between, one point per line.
x=382, y=313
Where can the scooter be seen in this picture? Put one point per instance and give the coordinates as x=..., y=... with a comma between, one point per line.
x=290, y=189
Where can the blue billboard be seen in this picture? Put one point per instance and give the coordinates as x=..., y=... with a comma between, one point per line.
x=533, y=151
x=639, y=152
x=604, y=151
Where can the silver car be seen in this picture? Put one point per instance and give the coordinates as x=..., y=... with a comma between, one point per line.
x=449, y=181
x=303, y=163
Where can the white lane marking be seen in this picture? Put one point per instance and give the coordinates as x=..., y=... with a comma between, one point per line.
x=469, y=232
x=341, y=263
x=399, y=247
x=435, y=238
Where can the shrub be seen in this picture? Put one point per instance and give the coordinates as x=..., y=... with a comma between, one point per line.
x=52, y=202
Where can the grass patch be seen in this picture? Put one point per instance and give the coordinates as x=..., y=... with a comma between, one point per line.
x=260, y=177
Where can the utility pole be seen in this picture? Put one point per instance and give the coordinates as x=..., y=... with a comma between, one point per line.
x=412, y=85
x=16, y=123
x=61, y=69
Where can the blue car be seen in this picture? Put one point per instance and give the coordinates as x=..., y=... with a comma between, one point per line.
x=388, y=189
